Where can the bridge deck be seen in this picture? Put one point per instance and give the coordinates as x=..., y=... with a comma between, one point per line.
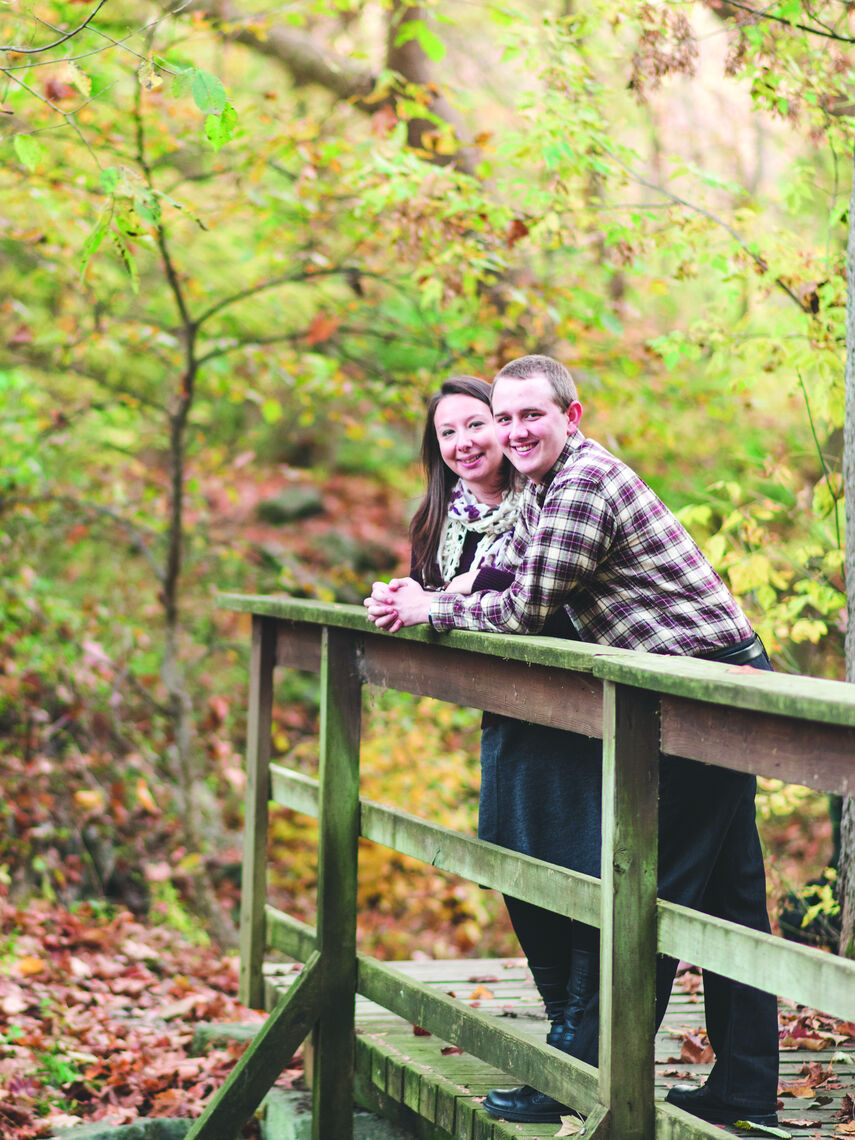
x=435, y=1091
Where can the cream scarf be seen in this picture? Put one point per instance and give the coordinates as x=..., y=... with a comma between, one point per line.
x=495, y=524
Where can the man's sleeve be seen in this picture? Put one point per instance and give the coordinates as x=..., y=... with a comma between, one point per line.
x=573, y=533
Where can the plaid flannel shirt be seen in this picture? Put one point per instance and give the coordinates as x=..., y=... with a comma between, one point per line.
x=594, y=539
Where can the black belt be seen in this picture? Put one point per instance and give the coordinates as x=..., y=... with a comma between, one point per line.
x=744, y=653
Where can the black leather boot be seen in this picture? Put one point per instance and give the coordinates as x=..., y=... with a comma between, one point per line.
x=525, y=1105
x=583, y=982
x=552, y=983
x=706, y=1105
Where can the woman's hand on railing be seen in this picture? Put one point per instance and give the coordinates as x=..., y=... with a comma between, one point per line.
x=461, y=584
x=398, y=603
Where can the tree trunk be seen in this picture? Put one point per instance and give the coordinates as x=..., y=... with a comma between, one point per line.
x=847, y=832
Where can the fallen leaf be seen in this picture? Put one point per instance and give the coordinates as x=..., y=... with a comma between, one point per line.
x=479, y=993
x=695, y=1050
x=450, y=1050
x=570, y=1126
x=27, y=966
x=419, y=1032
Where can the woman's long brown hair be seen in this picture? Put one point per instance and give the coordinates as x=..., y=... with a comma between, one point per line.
x=428, y=521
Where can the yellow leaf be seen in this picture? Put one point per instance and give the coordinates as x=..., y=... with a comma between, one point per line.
x=570, y=1126
x=145, y=798
x=29, y=966
x=89, y=799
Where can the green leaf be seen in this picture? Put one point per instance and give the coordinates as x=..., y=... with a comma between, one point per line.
x=110, y=179
x=127, y=259
x=148, y=207
x=30, y=152
x=271, y=411
x=209, y=95
x=428, y=41
x=182, y=82
x=90, y=246
x=220, y=129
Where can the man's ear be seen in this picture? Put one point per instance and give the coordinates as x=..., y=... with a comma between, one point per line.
x=574, y=417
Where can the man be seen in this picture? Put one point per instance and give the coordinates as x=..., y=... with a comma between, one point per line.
x=594, y=539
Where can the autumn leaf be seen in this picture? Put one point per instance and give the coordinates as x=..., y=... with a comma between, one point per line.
x=696, y=1050
x=516, y=231
x=89, y=799
x=480, y=993
x=28, y=966
x=570, y=1126
x=321, y=329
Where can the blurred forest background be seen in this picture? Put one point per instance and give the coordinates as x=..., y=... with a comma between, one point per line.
x=241, y=243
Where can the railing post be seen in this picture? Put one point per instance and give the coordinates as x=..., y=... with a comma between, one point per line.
x=254, y=876
x=628, y=933
x=341, y=688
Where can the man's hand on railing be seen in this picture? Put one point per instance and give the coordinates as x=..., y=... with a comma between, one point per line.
x=398, y=603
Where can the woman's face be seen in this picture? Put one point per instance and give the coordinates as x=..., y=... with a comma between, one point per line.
x=468, y=444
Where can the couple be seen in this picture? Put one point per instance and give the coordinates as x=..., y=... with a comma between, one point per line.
x=593, y=554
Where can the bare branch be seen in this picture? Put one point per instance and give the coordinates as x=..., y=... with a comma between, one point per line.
x=61, y=40
x=825, y=33
x=758, y=261
x=296, y=51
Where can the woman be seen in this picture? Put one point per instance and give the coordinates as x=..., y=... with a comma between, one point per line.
x=536, y=782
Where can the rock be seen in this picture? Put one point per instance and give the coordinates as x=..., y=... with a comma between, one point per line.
x=214, y=1035
x=158, y=1128
x=295, y=502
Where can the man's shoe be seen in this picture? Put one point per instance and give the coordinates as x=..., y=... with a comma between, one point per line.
x=701, y=1102
x=524, y=1105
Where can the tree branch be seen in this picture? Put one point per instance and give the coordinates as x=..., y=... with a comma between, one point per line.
x=758, y=261
x=61, y=40
x=764, y=15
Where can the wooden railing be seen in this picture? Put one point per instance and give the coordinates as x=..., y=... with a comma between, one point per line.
x=797, y=729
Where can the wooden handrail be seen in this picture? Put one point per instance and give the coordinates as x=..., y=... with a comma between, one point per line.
x=798, y=729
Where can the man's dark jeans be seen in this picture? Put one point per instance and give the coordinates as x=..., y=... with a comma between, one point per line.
x=710, y=859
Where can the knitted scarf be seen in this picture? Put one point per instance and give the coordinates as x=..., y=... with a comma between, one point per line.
x=495, y=524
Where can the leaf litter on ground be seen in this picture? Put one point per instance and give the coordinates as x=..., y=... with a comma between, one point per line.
x=97, y=1015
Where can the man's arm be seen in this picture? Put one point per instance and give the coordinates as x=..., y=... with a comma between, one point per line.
x=572, y=534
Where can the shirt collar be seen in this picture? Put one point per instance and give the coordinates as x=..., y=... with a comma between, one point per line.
x=574, y=442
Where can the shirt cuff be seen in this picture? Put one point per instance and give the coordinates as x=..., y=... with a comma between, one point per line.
x=441, y=613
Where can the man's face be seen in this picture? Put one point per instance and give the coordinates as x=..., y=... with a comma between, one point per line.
x=530, y=426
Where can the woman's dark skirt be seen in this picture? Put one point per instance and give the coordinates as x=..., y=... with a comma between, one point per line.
x=541, y=793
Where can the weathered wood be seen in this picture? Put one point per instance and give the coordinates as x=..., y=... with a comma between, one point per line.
x=576, y=655
x=780, y=694
x=289, y=935
x=338, y=834
x=795, y=751
x=295, y=790
x=551, y=886
x=254, y=871
x=564, y=699
x=548, y=885
x=674, y=1124
x=298, y=646
x=565, y=1078
x=808, y=698
x=264, y=1059
x=628, y=930
x=800, y=973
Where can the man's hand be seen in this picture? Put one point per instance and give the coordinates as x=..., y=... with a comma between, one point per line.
x=398, y=603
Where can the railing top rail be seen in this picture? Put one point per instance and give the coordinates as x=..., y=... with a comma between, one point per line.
x=806, y=698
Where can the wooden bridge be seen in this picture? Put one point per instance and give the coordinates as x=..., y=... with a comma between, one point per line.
x=797, y=729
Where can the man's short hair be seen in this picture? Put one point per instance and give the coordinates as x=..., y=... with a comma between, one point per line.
x=527, y=367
